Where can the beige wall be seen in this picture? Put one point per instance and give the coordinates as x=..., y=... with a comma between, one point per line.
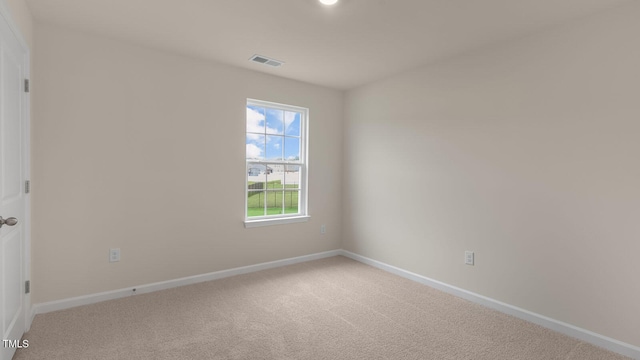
x=144, y=151
x=527, y=154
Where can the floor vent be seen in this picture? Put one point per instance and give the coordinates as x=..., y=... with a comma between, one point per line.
x=266, y=61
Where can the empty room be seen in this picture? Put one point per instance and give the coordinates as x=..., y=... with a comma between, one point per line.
x=320, y=179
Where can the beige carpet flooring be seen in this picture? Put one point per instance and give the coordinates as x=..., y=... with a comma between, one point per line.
x=333, y=308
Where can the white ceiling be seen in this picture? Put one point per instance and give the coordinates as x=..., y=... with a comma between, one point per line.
x=344, y=46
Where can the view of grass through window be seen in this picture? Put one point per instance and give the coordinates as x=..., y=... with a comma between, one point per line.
x=274, y=200
x=274, y=160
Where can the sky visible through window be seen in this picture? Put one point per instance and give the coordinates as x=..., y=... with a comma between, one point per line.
x=272, y=134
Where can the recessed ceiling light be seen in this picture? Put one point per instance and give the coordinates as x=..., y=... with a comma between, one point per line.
x=329, y=2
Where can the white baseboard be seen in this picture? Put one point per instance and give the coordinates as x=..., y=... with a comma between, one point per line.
x=559, y=326
x=143, y=289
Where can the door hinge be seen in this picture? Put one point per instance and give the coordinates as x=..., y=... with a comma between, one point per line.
x=27, y=287
x=27, y=186
x=26, y=85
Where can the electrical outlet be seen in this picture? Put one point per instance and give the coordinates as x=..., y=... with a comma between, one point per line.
x=469, y=257
x=114, y=255
x=323, y=229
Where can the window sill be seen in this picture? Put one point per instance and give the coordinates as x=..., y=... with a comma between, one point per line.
x=278, y=221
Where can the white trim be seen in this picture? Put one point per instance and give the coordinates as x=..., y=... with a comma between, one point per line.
x=275, y=221
x=26, y=151
x=143, y=289
x=559, y=326
x=556, y=325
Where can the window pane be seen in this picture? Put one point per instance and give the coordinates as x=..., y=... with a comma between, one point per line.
x=276, y=178
x=256, y=177
x=291, y=148
x=275, y=121
x=258, y=172
x=256, y=183
x=273, y=180
x=255, y=119
x=292, y=123
x=274, y=202
x=255, y=203
x=255, y=146
x=274, y=147
x=291, y=202
x=292, y=177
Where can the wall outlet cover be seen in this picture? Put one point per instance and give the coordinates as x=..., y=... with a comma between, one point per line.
x=114, y=255
x=469, y=257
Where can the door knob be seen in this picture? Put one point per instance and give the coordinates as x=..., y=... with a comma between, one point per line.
x=8, y=221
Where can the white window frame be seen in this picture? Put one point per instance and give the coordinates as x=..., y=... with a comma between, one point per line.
x=303, y=195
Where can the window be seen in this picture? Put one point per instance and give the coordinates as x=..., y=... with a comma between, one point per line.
x=276, y=157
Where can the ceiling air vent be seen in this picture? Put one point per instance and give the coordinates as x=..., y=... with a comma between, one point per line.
x=265, y=60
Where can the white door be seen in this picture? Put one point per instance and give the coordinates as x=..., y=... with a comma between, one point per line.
x=12, y=196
